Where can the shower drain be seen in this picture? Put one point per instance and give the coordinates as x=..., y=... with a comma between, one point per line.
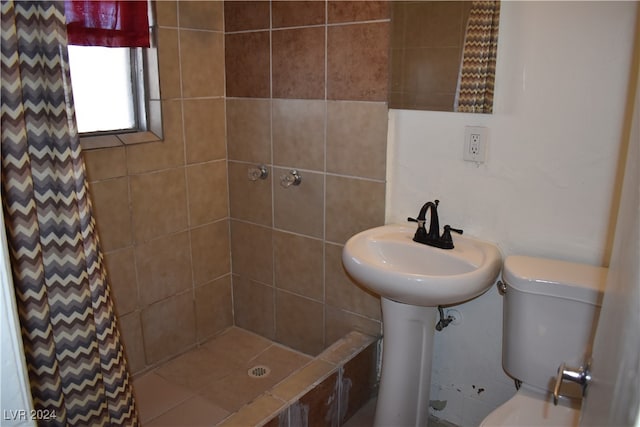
x=259, y=371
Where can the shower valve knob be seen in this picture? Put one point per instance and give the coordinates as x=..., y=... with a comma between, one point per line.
x=257, y=172
x=291, y=178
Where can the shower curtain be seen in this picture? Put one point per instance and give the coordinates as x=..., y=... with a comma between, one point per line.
x=478, y=69
x=77, y=369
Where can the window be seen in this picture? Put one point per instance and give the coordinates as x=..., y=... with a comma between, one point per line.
x=105, y=88
x=115, y=89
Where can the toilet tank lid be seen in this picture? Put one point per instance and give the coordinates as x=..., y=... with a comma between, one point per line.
x=580, y=282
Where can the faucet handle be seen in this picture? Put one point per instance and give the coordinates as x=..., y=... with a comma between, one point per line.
x=457, y=230
x=419, y=221
x=446, y=235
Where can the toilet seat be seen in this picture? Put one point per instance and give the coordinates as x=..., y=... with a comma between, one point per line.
x=530, y=408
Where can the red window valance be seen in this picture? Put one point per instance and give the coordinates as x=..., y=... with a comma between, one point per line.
x=107, y=23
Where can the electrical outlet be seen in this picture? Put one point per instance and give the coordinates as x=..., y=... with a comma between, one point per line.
x=475, y=144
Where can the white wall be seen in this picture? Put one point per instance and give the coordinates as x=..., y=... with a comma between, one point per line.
x=15, y=396
x=547, y=187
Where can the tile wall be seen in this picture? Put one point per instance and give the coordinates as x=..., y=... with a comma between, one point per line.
x=162, y=208
x=306, y=88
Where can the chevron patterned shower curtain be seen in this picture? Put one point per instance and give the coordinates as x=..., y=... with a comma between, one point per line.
x=77, y=369
x=478, y=68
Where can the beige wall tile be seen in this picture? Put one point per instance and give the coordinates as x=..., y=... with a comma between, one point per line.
x=159, y=203
x=298, y=264
x=339, y=322
x=204, y=127
x=294, y=385
x=298, y=133
x=352, y=205
x=166, y=13
x=203, y=15
x=341, y=292
x=358, y=61
x=252, y=251
x=213, y=307
x=105, y=163
x=253, y=306
x=249, y=130
x=210, y=251
x=168, y=63
x=131, y=332
x=350, y=11
x=169, y=327
x=208, y=196
x=247, y=63
x=111, y=209
x=297, y=13
x=249, y=200
x=164, y=267
x=298, y=63
x=202, y=63
x=246, y=15
x=299, y=323
x=299, y=208
x=160, y=155
x=357, y=138
x=121, y=271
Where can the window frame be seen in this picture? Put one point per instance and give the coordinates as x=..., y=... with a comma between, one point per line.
x=145, y=79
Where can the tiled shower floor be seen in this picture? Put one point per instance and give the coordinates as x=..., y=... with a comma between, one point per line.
x=205, y=385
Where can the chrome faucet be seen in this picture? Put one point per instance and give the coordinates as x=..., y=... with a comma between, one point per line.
x=433, y=237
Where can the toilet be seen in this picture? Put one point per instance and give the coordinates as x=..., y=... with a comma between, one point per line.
x=550, y=314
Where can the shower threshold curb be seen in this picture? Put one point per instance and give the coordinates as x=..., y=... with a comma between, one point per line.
x=282, y=403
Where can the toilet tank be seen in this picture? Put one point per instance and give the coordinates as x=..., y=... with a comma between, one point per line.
x=550, y=314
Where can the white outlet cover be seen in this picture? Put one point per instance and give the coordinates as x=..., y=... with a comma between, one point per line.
x=481, y=155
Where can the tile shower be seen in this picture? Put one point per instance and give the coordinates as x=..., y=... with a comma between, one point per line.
x=193, y=247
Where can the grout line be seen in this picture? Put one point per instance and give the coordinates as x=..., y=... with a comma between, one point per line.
x=324, y=176
x=226, y=160
x=273, y=181
x=340, y=175
x=185, y=167
x=300, y=27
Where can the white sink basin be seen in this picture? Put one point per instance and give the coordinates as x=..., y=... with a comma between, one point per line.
x=388, y=262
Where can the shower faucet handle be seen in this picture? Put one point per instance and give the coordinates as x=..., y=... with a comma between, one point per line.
x=255, y=173
x=293, y=177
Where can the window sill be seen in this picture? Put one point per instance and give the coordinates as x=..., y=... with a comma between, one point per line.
x=117, y=140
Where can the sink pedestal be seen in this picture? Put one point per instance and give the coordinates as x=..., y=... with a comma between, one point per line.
x=403, y=398
x=413, y=279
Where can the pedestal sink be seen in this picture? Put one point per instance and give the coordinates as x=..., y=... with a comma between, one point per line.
x=413, y=279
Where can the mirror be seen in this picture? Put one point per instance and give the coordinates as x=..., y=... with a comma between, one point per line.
x=430, y=42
